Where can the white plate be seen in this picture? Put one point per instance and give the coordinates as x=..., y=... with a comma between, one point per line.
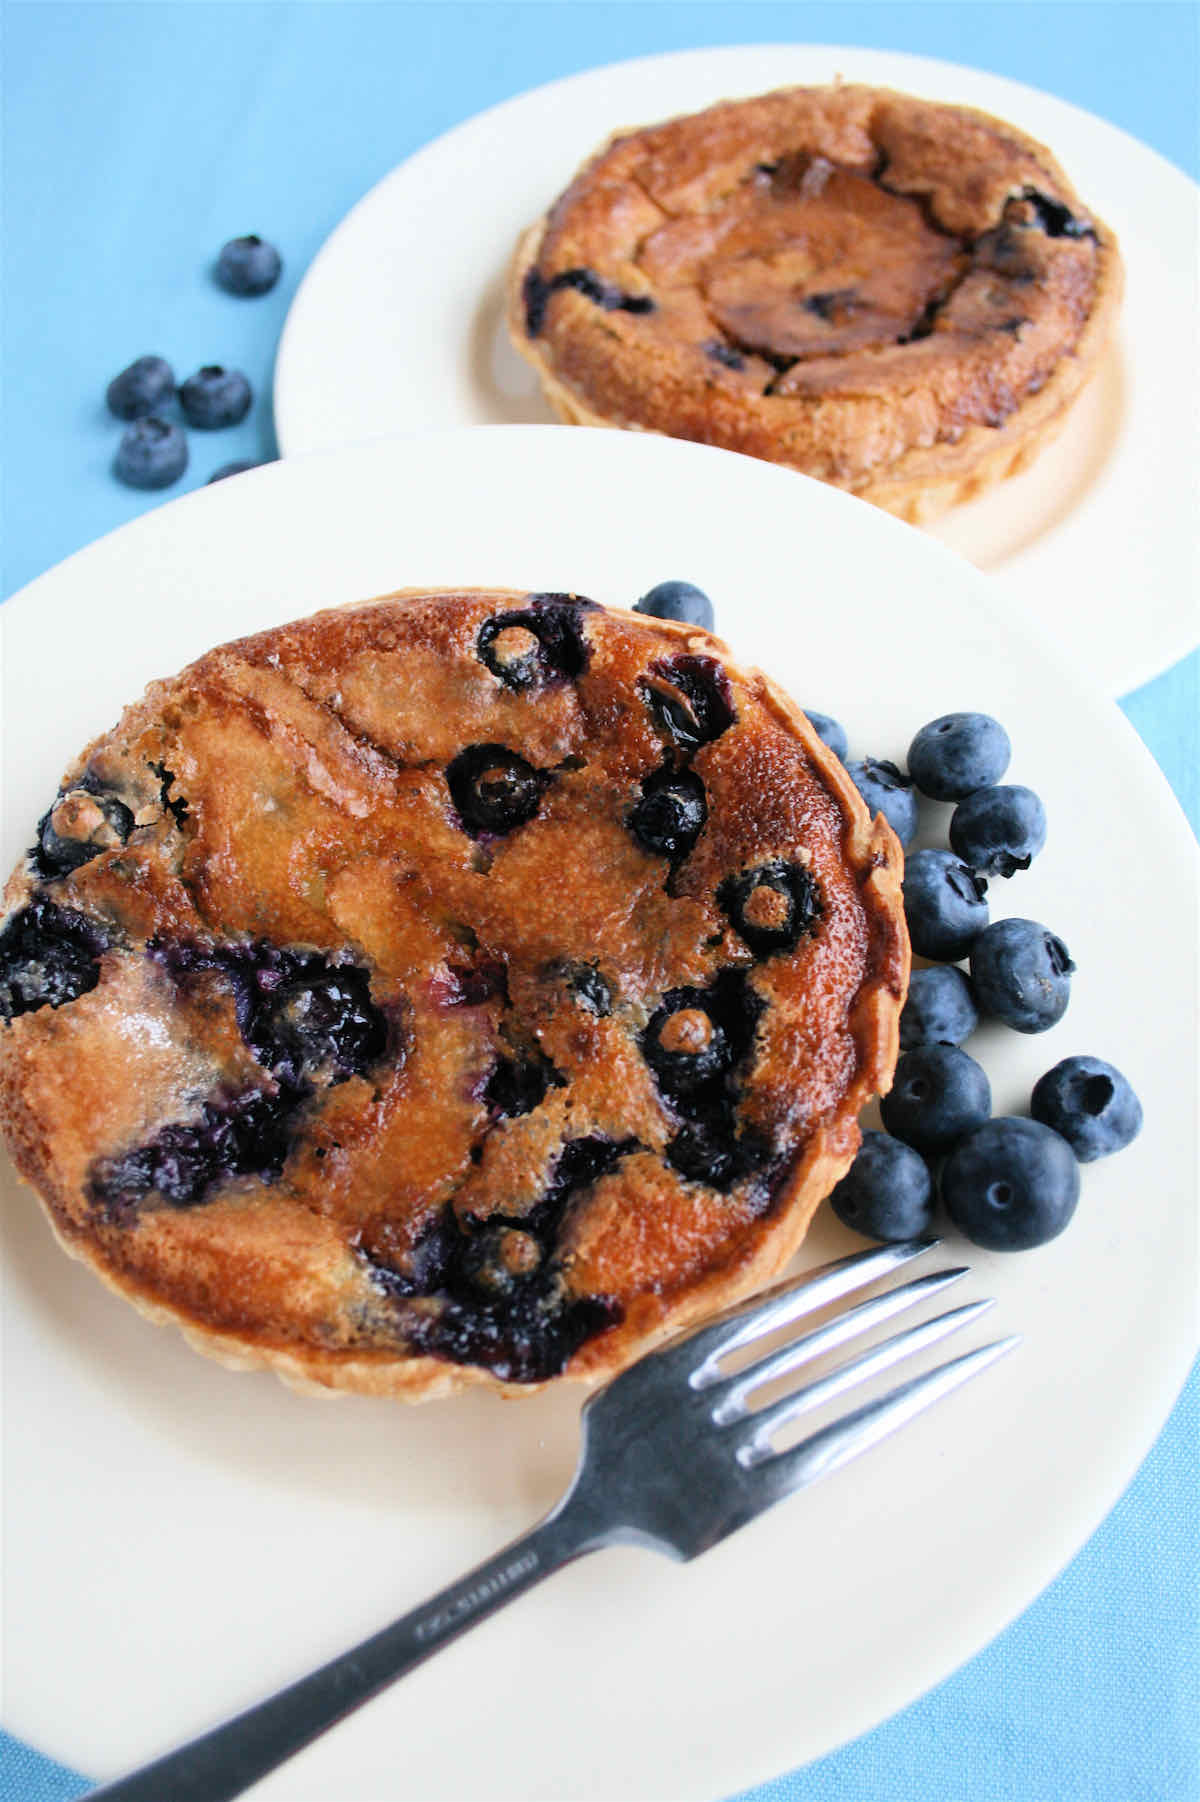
x=398, y=326
x=179, y=1539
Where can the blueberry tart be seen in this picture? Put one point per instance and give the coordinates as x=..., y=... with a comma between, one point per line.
x=896, y=296
x=464, y=987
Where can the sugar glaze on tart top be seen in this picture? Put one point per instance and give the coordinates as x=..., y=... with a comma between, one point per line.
x=896, y=296
x=461, y=987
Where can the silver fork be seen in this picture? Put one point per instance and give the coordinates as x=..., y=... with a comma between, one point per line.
x=674, y=1457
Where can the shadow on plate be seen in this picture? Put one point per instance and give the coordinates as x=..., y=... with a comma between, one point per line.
x=1006, y=521
x=505, y=388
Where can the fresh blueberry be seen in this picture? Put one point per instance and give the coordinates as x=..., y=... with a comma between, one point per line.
x=151, y=454
x=938, y=1094
x=999, y=830
x=1090, y=1104
x=142, y=389
x=958, y=753
x=940, y=1009
x=236, y=468
x=680, y=601
x=48, y=956
x=944, y=904
x=248, y=265
x=493, y=788
x=830, y=732
x=670, y=816
x=215, y=397
x=1022, y=974
x=887, y=1193
x=1011, y=1184
x=689, y=699
x=772, y=905
x=888, y=791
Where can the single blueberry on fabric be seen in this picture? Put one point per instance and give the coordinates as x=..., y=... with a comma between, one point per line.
x=938, y=1094
x=1010, y=1185
x=944, y=904
x=887, y=790
x=957, y=753
x=940, y=1009
x=1022, y=974
x=1090, y=1104
x=999, y=830
x=215, y=397
x=144, y=388
x=152, y=453
x=681, y=601
x=248, y=266
x=831, y=732
x=887, y=1193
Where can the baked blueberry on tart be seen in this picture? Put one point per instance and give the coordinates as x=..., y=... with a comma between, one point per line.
x=900, y=297
x=461, y=987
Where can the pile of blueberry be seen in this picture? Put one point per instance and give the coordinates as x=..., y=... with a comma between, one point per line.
x=153, y=452
x=1009, y=1183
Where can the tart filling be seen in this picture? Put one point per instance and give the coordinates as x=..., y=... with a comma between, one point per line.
x=898, y=297
x=464, y=987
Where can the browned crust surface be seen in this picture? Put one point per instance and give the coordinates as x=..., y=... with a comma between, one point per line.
x=290, y=790
x=859, y=285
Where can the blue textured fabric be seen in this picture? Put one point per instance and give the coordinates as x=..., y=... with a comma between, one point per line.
x=137, y=138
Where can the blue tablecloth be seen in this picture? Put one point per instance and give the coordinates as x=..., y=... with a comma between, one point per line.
x=137, y=138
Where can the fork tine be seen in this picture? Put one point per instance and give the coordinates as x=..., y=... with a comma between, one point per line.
x=835, y=1445
x=699, y=1352
x=732, y=1391
x=859, y=1370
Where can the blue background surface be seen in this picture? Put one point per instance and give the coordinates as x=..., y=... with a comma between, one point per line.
x=136, y=139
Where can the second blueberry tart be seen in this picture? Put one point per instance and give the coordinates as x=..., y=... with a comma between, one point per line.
x=899, y=297
x=465, y=987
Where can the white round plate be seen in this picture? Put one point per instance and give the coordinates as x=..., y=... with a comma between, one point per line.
x=398, y=326
x=181, y=1539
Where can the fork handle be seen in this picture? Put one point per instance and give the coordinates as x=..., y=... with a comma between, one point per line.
x=225, y=1762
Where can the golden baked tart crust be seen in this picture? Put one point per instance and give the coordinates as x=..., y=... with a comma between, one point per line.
x=896, y=296
x=461, y=987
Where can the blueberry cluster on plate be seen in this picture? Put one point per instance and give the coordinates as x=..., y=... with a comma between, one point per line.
x=153, y=451
x=1010, y=1183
